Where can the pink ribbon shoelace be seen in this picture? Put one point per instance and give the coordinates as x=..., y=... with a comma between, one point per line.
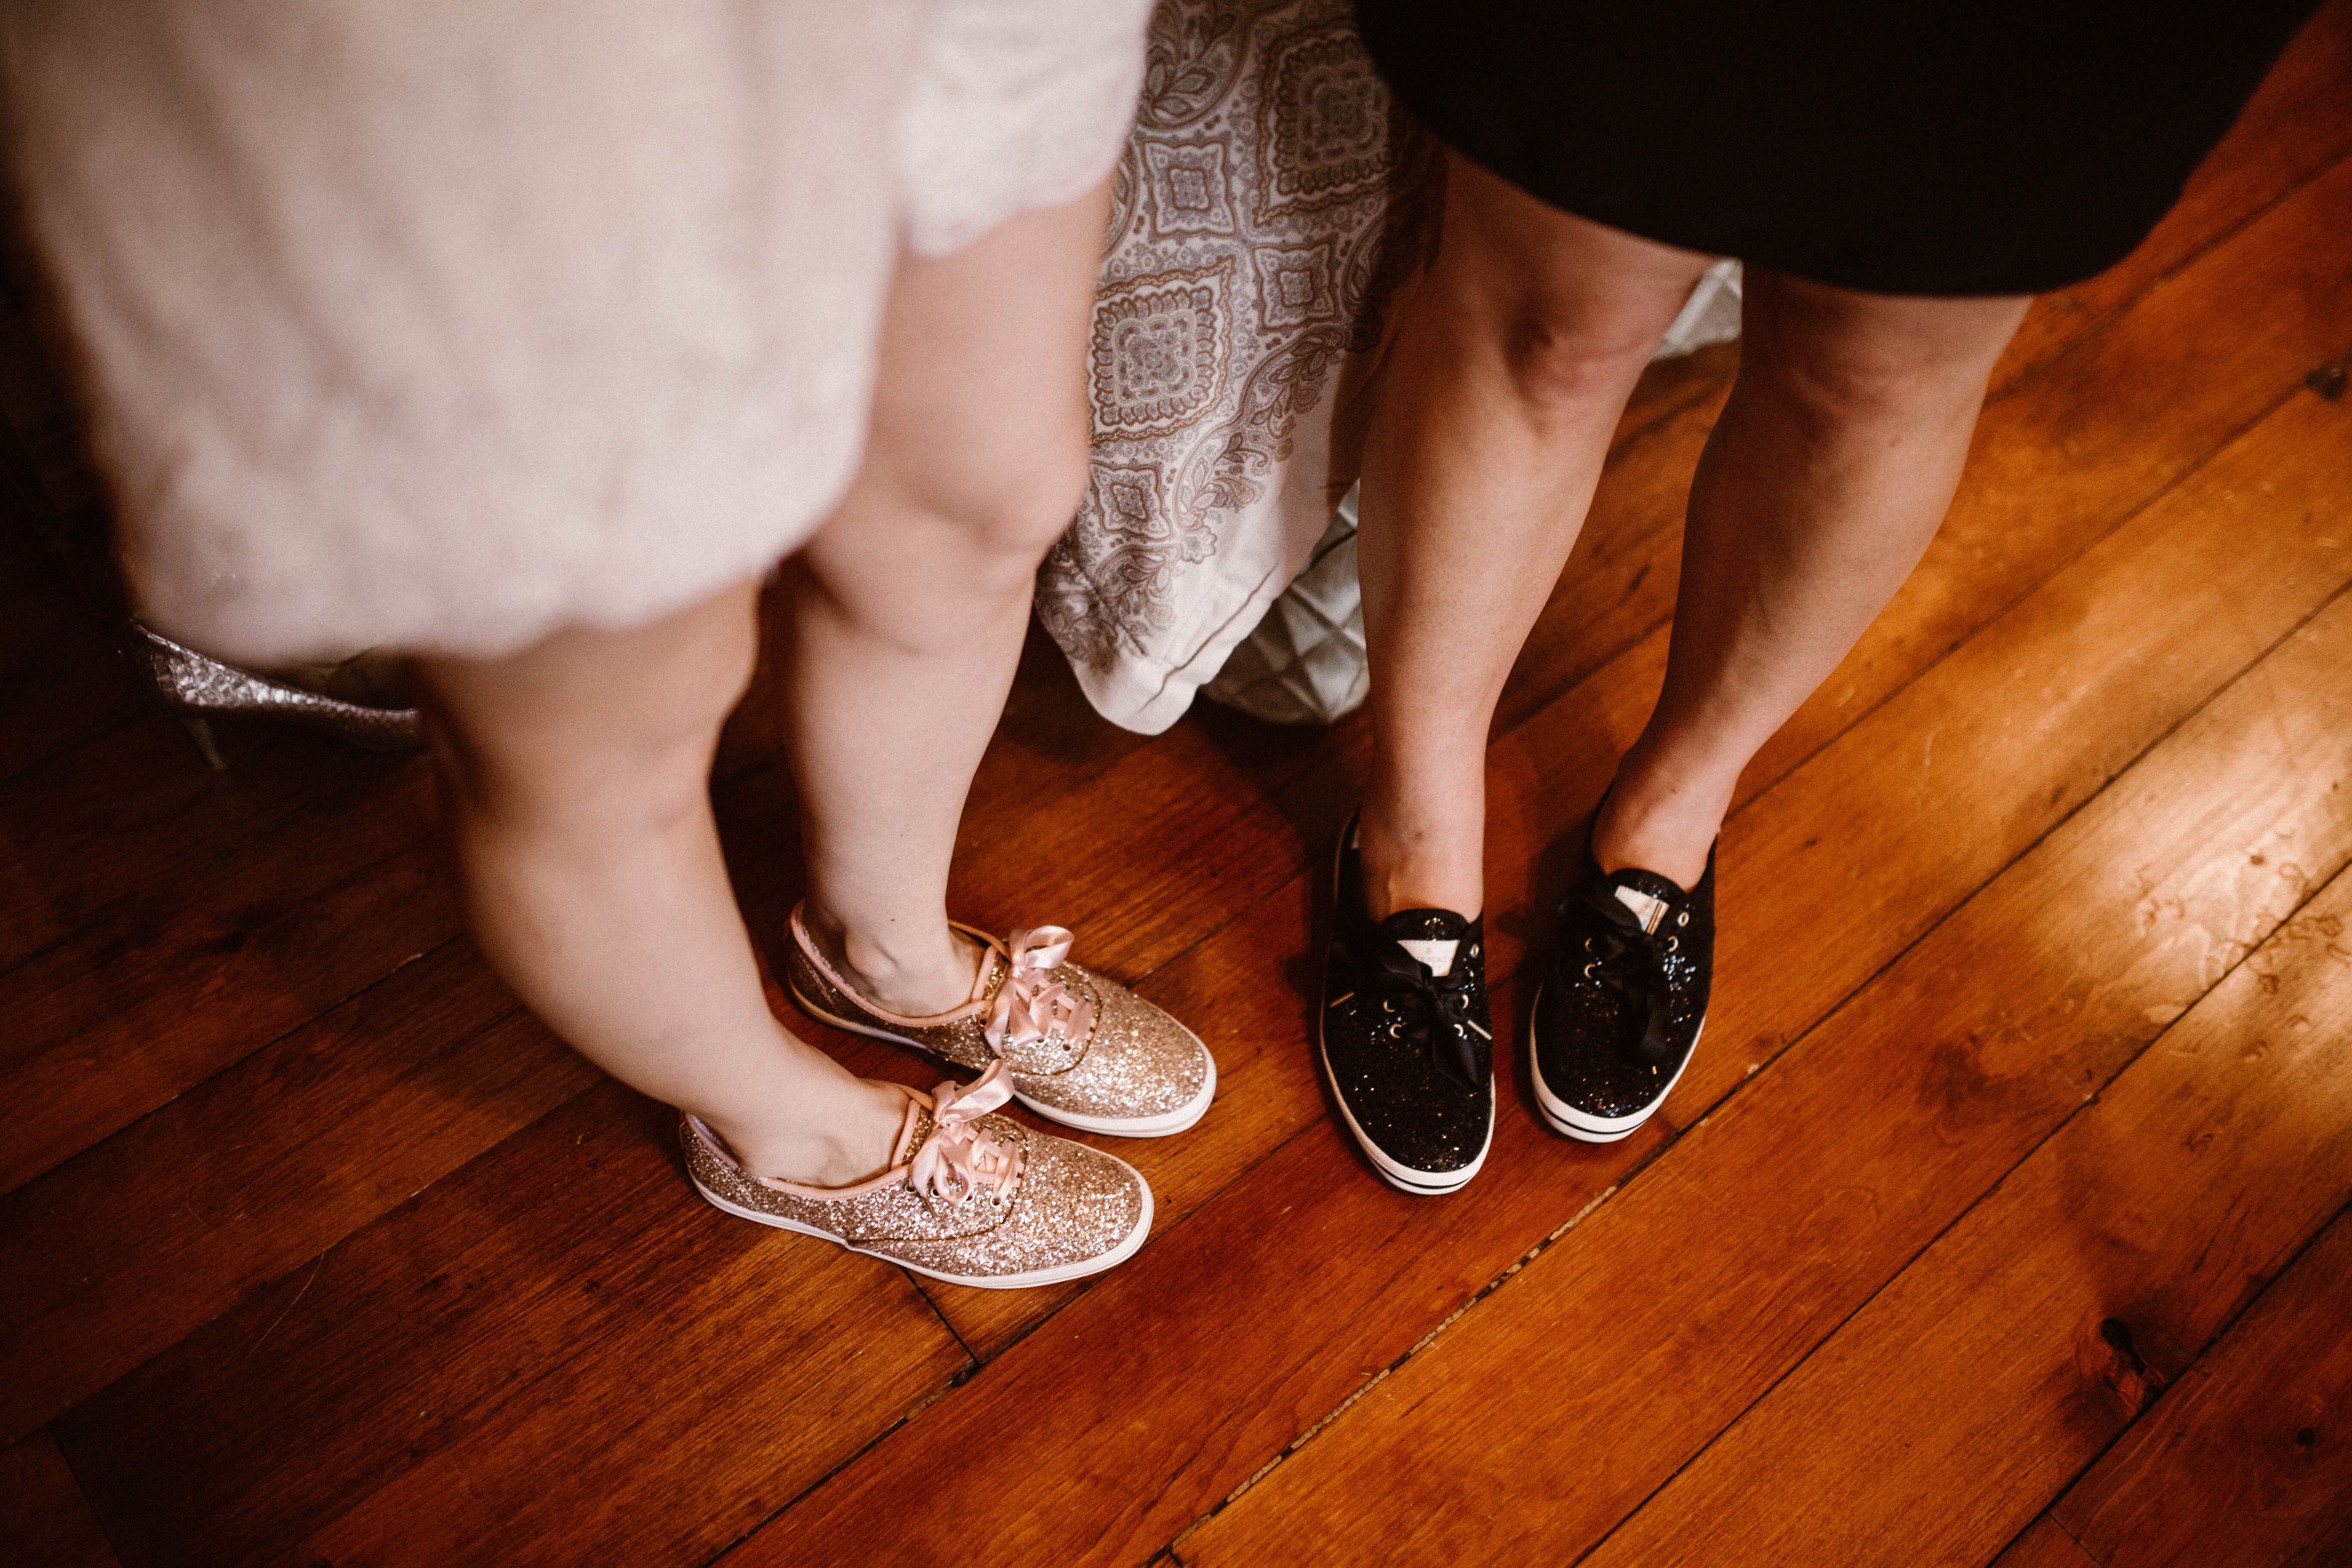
x=958, y=1158
x=1032, y=1003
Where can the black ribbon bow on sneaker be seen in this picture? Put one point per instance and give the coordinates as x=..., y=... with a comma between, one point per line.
x=1432, y=1012
x=1630, y=961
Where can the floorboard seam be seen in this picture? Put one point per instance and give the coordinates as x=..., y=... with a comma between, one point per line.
x=81, y=1490
x=303, y=803
x=2058, y=1524
x=962, y=1376
x=2222, y=1332
x=962, y=1344
x=1962, y=901
x=259, y=1047
x=1426, y=1339
x=1967, y=898
x=2220, y=237
x=2092, y=1098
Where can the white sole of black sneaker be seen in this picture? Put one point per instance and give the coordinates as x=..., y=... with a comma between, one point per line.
x=1402, y=1177
x=1160, y=1126
x=1582, y=1125
x=1127, y=1248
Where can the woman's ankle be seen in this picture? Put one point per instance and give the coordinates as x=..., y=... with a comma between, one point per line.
x=850, y=1138
x=1657, y=823
x=917, y=976
x=1431, y=866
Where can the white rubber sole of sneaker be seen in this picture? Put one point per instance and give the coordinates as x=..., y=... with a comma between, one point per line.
x=1160, y=1126
x=1582, y=1125
x=1404, y=1177
x=1117, y=1255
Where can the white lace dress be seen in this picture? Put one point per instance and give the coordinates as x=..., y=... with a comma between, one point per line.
x=437, y=327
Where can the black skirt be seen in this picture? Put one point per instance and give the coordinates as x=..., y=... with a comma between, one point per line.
x=1903, y=148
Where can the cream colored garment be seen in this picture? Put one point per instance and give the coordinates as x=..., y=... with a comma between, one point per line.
x=1267, y=212
x=439, y=327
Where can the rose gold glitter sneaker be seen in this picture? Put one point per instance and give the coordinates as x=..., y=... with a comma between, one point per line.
x=1080, y=1049
x=970, y=1198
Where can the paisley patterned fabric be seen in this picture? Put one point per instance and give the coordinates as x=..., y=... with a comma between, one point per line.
x=1268, y=205
x=1272, y=204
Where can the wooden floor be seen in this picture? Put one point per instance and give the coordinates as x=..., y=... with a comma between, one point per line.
x=2002, y=1215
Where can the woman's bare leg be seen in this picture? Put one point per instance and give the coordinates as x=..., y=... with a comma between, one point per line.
x=910, y=606
x=1830, y=471
x=580, y=767
x=1831, y=468
x=580, y=773
x=1511, y=367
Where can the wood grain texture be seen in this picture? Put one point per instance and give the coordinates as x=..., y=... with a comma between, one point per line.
x=174, y=987
x=420, y=1289
x=2247, y=1460
x=1964, y=1055
x=117, y=1253
x=2298, y=123
x=2077, y=447
x=2045, y=1545
x=558, y=1354
x=46, y=1522
x=1536, y=767
x=2064, y=1304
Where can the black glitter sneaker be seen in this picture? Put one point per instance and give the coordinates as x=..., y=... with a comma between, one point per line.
x=1622, y=999
x=1408, y=1038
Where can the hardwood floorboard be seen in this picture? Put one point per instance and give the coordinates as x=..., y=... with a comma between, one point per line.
x=2092, y=437
x=2105, y=683
x=2247, y=1460
x=122, y=1251
x=1845, y=1156
x=557, y=1353
x=2060, y=1307
x=157, y=998
x=48, y=1525
x=2104, y=638
x=2045, y=1545
x=366, y=1324
x=2299, y=124
x=135, y=814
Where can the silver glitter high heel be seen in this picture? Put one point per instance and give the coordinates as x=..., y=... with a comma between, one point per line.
x=196, y=685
